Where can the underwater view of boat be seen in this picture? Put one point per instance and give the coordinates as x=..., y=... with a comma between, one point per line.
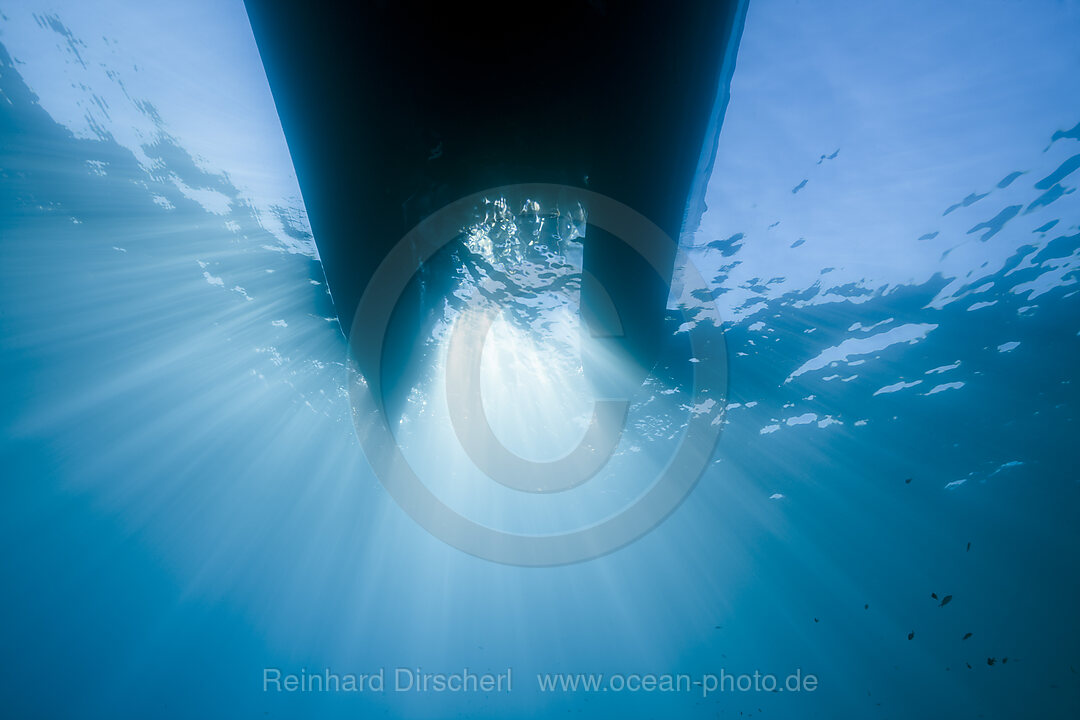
x=394, y=110
x=308, y=312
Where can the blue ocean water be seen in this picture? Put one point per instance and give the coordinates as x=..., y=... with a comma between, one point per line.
x=891, y=239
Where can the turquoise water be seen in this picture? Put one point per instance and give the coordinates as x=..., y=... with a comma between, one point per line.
x=891, y=240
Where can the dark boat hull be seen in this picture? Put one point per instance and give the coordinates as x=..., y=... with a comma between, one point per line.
x=394, y=109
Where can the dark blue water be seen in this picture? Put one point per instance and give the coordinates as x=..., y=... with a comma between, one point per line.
x=892, y=240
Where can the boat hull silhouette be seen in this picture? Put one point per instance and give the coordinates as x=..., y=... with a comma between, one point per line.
x=392, y=110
